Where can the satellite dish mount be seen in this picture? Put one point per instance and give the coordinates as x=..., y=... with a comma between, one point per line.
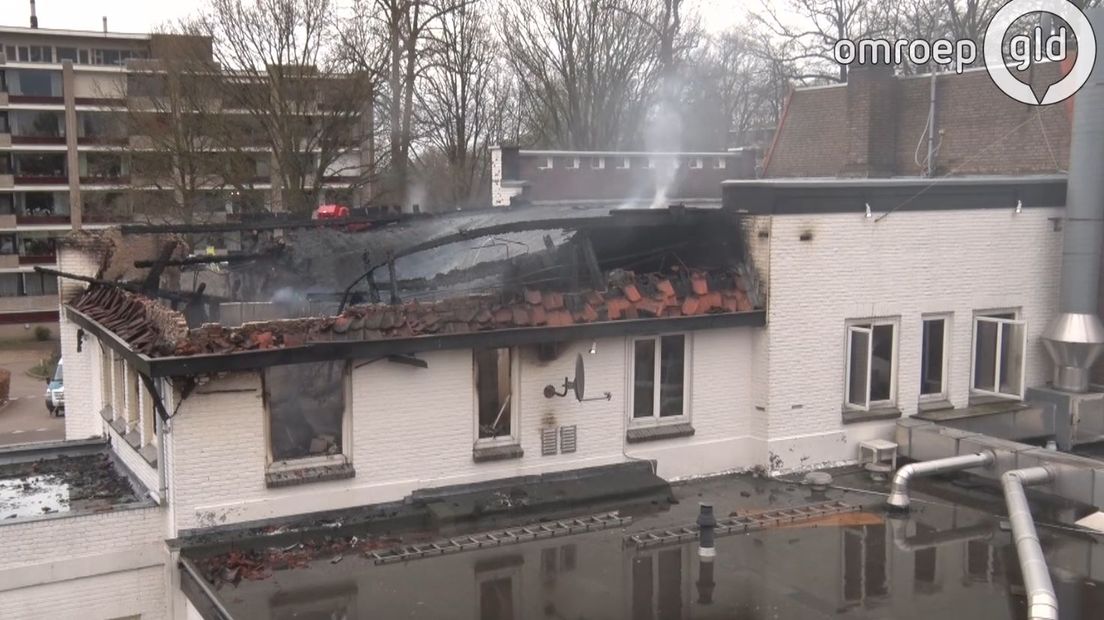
x=576, y=385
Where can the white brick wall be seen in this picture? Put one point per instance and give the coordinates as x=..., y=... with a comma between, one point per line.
x=62, y=538
x=82, y=419
x=908, y=264
x=414, y=428
x=138, y=593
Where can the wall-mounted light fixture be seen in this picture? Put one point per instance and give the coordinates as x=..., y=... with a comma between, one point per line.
x=1019, y=206
x=868, y=213
x=593, y=348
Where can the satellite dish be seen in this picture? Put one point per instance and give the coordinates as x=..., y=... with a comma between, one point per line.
x=577, y=384
x=580, y=377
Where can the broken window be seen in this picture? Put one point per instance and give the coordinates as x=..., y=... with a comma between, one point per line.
x=871, y=364
x=494, y=394
x=663, y=357
x=306, y=406
x=933, y=358
x=999, y=344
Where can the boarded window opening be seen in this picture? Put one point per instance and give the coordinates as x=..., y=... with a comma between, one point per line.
x=493, y=387
x=306, y=409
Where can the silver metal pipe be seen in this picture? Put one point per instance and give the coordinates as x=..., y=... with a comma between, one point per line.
x=898, y=525
x=1075, y=338
x=1042, y=604
x=899, y=491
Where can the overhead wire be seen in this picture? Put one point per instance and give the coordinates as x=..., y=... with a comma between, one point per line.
x=950, y=172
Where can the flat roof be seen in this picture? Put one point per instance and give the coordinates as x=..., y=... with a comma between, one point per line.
x=85, y=34
x=948, y=557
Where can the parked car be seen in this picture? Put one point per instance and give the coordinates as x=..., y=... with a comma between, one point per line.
x=55, y=393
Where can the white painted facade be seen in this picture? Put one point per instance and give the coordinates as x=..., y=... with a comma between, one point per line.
x=770, y=396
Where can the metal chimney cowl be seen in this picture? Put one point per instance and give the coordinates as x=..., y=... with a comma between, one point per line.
x=1074, y=341
x=1075, y=337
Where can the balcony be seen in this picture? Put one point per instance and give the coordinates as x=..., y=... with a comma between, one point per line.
x=38, y=259
x=36, y=99
x=29, y=303
x=37, y=140
x=39, y=219
x=9, y=261
x=5, y=140
x=7, y=221
x=37, y=179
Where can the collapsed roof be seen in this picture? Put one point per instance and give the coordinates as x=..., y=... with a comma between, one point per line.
x=463, y=273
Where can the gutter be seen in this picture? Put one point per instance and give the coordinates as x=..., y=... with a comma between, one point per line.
x=190, y=365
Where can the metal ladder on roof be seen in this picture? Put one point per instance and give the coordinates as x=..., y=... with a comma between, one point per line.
x=738, y=524
x=497, y=538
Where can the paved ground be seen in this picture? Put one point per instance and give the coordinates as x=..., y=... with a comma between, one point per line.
x=24, y=418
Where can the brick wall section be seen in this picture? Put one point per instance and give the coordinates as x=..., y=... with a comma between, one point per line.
x=983, y=130
x=871, y=131
x=62, y=538
x=635, y=183
x=137, y=593
x=909, y=264
x=414, y=428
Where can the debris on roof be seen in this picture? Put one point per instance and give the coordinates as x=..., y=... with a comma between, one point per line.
x=156, y=330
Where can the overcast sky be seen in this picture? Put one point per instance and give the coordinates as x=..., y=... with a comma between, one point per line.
x=144, y=15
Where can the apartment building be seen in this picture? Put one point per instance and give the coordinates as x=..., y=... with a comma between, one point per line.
x=67, y=155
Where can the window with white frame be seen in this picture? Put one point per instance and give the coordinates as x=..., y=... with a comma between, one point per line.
x=696, y=163
x=871, y=364
x=624, y=163
x=719, y=163
x=598, y=163
x=496, y=409
x=1000, y=340
x=935, y=332
x=649, y=164
x=545, y=163
x=572, y=163
x=307, y=407
x=659, y=379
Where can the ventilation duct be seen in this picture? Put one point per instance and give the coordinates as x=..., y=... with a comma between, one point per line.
x=1076, y=337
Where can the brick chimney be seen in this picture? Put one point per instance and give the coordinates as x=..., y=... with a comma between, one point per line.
x=871, y=121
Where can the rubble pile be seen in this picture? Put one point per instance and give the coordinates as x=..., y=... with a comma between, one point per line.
x=676, y=292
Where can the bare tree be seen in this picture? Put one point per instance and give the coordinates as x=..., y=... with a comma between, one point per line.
x=458, y=100
x=586, y=70
x=281, y=73
x=174, y=120
x=729, y=83
x=393, y=41
x=807, y=31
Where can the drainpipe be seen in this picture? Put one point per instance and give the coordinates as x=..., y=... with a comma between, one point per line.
x=898, y=524
x=1042, y=604
x=899, y=492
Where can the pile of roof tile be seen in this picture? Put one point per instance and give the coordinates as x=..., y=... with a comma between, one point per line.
x=675, y=293
x=123, y=313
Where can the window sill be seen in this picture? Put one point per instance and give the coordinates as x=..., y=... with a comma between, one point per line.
x=989, y=399
x=307, y=475
x=882, y=413
x=659, y=432
x=934, y=405
x=485, y=454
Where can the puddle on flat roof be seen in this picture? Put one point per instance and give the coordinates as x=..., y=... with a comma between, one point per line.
x=941, y=561
x=59, y=485
x=33, y=496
